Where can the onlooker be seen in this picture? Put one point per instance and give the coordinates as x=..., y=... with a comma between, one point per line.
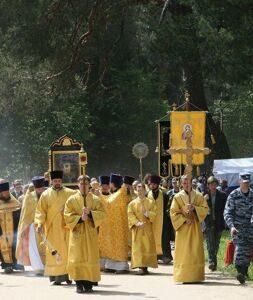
x=214, y=222
x=224, y=187
x=164, y=185
x=17, y=188
x=194, y=183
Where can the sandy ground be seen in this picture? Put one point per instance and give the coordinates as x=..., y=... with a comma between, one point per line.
x=158, y=285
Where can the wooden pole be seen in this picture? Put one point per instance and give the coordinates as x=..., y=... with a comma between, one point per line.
x=141, y=171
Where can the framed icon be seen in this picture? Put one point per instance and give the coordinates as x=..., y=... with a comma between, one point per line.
x=68, y=155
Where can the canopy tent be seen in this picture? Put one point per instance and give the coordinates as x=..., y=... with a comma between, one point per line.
x=229, y=169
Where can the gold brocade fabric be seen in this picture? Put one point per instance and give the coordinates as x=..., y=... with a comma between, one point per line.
x=104, y=228
x=118, y=232
x=6, y=223
x=143, y=241
x=26, y=219
x=83, y=259
x=158, y=222
x=189, y=260
x=12, y=205
x=50, y=214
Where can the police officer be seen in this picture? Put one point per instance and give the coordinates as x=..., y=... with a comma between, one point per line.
x=239, y=218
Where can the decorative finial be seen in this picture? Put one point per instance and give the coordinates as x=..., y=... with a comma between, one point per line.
x=174, y=106
x=187, y=96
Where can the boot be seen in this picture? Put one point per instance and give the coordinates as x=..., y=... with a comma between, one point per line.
x=143, y=271
x=247, y=272
x=212, y=267
x=241, y=274
x=8, y=270
x=87, y=287
x=166, y=260
x=122, y=272
x=79, y=289
x=109, y=271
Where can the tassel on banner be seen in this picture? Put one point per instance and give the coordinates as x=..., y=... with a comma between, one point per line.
x=171, y=168
x=198, y=171
x=213, y=139
x=176, y=170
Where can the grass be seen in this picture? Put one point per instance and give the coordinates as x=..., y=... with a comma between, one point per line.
x=221, y=266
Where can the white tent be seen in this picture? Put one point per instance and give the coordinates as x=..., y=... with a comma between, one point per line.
x=229, y=169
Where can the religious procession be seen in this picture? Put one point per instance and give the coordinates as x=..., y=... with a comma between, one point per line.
x=126, y=154
x=70, y=227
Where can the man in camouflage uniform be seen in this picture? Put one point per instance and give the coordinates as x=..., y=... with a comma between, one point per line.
x=239, y=218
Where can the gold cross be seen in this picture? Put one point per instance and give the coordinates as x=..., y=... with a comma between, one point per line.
x=164, y=167
x=189, y=151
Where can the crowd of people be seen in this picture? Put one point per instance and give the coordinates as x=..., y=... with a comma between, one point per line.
x=75, y=234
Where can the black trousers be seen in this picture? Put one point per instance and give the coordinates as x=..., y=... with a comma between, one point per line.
x=166, y=238
x=213, y=242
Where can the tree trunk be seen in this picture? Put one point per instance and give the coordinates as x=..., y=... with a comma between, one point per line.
x=195, y=86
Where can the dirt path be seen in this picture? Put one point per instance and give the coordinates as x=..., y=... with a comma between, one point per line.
x=158, y=285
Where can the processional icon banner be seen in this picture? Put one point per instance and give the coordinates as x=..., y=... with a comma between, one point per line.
x=181, y=121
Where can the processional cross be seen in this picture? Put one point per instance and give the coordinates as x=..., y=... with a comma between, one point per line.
x=189, y=151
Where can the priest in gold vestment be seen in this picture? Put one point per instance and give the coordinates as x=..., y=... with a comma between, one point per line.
x=116, y=253
x=104, y=228
x=141, y=215
x=30, y=250
x=83, y=215
x=187, y=213
x=9, y=219
x=49, y=221
x=161, y=225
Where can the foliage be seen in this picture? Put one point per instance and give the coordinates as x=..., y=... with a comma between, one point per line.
x=220, y=258
x=104, y=71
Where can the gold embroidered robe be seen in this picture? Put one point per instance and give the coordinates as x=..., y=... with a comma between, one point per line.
x=189, y=261
x=158, y=222
x=104, y=228
x=83, y=259
x=50, y=214
x=118, y=235
x=29, y=205
x=143, y=241
x=7, y=238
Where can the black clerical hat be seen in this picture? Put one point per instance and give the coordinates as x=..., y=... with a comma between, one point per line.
x=5, y=186
x=128, y=180
x=38, y=181
x=104, y=179
x=56, y=174
x=116, y=179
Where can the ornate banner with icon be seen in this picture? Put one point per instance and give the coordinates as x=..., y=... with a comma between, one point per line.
x=180, y=122
x=164, y=167
x=68, y=155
